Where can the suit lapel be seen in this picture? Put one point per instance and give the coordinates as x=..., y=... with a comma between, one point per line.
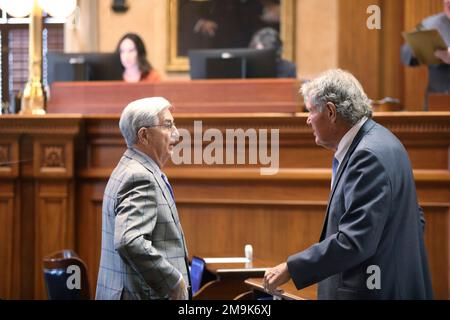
x=172, y=206
x=156, y=171
x=361, y=133
x=151, y=166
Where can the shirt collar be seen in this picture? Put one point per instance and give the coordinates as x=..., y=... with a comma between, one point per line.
x=149, y=160
x=347, y=140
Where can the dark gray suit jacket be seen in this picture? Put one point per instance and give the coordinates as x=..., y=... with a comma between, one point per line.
x=372, y=218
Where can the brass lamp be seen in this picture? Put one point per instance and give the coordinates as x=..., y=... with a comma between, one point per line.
x=33, y=99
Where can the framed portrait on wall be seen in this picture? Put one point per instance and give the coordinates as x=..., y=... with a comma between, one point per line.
x=213, y=24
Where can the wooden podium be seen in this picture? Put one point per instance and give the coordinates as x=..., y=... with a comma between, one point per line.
x=53, y=171
x=439, y=102
x=198, y=96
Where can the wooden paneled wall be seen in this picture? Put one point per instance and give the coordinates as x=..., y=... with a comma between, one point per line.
x=373, y=56
x=329, y=34
x=198, y=96
x=416, y=79
x=36, y=198
x=224, y=207
x=359, y=47
x=49, y=203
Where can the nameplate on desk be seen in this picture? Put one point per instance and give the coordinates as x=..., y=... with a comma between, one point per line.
x=227, y=260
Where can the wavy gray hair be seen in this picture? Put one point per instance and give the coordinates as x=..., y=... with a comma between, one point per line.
x=343, y=90
x=140, y=113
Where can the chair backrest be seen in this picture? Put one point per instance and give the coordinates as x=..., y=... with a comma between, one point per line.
x=65, y=276
x=197, y=269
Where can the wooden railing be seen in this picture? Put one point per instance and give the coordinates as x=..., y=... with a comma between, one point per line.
x=54, y=169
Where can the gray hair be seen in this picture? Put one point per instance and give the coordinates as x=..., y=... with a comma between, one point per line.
x=268, y=38
x=140, y=113
x=343, y=90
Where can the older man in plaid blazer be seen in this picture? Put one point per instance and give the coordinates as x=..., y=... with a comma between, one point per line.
x=143, y=253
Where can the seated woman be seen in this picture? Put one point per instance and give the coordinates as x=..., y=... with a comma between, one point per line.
x=133, y=58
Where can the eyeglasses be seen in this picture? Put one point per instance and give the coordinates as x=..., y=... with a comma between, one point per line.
x=169, y=125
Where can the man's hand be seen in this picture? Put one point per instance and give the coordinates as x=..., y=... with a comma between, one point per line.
x=275, y=277
x=206, y=27
x=444, y=55
x=180, y=293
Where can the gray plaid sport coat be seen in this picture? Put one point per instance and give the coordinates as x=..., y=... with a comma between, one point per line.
x=143, y=250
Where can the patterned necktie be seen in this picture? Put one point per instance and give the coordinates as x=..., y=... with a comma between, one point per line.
x=335, y=167
x=163, y=176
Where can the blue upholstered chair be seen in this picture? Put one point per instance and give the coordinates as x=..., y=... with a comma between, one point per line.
x=60, y=271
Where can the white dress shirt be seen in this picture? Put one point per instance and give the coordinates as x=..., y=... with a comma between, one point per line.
x=346, y=141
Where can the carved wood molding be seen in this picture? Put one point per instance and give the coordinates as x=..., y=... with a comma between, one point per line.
x=48, y=124
x=54, y=223
x=253, y=174
x=9, y=158
x=5, y=157
x=299, y=204
x=251, y=203
x=7, y=218
x=397, y=122
x=53, y=158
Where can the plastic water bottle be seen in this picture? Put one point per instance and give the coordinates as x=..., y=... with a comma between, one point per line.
x=248, y=250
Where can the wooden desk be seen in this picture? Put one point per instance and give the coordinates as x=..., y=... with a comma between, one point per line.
x=290, y=292
x=197, y=96
x=54, y=168
x=240, y=270
x=439, y=102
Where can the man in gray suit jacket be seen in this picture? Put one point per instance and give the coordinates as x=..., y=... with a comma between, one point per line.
x=438, y=75
x=372, y=244
x=143, y=254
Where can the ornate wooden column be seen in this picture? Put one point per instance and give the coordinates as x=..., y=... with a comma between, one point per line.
x=9, y=217
x=36, y=198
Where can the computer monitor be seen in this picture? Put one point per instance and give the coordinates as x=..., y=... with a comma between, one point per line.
x=232, y=63
x=82, y=67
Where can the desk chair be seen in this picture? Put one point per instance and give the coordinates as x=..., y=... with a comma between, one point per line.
x=57, y=274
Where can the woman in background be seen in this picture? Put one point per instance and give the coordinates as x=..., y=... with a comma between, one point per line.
x=133, y=58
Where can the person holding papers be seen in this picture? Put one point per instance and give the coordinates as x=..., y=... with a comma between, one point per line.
x=439, y=74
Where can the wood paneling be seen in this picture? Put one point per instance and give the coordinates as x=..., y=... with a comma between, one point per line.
x=317, y=36
x=54, y=224
x=373, y=56
x=274, y=231
x=89, y=223
x=222, y=207
x=6, y=238
x=416, y=79
x=359, y=47
x=391, y=70
x=36, y=198
x=281, y=214
x=437, y=240
x=439, y=102
x=217, y=96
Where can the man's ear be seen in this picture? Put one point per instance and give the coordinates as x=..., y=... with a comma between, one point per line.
x=331, y=111
x=142, y=136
